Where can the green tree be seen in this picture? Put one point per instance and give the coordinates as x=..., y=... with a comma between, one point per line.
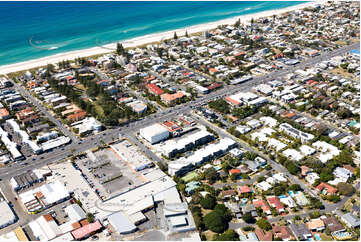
x=237, y=23
x=345, y=189
x=211, y=175
x=215, y=222
x=264, y=224
x=248, y=218
x=120, y=49
x=175, y=36
x=295, y=187
x=90, y=217
x=224, y=211
x=229, y=235
x=208, y=202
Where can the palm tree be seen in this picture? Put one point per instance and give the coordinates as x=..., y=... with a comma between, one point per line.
x=175, y=36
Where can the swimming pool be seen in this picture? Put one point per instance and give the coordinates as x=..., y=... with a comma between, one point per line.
x=282, y=196
x=317, y=236
x=291, y=193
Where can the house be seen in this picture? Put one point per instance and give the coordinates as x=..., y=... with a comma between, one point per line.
x=326, y=189
x=262, y=236
x=305, y=170
x=227, y=194
x=236, y=211
x=301, y=199
x=312, y=177
x=333, y=225
x=265, y=186
x=288, y=201
x=342, y=173
x=316, y=225
x=276, y=203
x=252, y=165
x=282, y=232
x=244, y=189
x=234, y=171
x=263, y=205
x=243, y=129
x=249, y=208
x=300, y=231
x=350, y=220
x=254, y=123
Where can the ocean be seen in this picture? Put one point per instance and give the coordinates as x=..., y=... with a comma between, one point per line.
x=31, y=30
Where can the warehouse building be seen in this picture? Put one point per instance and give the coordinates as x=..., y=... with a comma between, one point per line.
x=27, y=179
x=154, y=133
x=7, y=215
x=44, y=196
x=121, y=223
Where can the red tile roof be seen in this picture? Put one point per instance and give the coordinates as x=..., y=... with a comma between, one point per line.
x=154, y=89
x=324, y=186
x=232, y=101
x=262, y=204
x=214, y=85
x=234, y=171
x=244, y=189
x=275, y=202
x=86, y=230
x=262, y=236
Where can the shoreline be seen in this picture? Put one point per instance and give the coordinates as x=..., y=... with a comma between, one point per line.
x=142, y=40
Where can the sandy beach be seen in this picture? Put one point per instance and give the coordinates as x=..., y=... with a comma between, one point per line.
x=143, y=40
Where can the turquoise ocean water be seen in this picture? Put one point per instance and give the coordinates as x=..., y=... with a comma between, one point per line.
x=31, y=30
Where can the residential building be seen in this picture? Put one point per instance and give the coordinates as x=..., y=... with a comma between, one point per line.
x=350, y=220
x=301, y=231
x=316, y=225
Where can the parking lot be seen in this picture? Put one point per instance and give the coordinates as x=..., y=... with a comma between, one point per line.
x=105, y=172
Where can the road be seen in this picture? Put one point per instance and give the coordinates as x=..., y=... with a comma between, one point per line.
x=109, y=135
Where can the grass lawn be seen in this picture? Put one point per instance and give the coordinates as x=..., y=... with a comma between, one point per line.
x=325, y=237
x=190, y=176
x=209, y=234
x=340, y=42
x=205, y=211
x=342, y=72
x=98, y=109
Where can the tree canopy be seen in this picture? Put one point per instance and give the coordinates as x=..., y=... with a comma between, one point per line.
x=215, y=222
x=248, y=218
x=229, y=235
x=264, y=224
x=208, y=202
x=345, y=189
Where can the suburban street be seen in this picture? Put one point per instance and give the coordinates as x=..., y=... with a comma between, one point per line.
x=77, y=147
x=26, y=94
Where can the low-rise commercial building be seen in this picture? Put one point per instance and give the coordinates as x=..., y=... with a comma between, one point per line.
x=154, y=133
